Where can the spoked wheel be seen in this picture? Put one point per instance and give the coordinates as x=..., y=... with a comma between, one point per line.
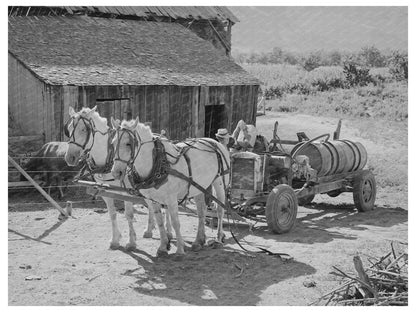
x=364, y=191
x=281, y=209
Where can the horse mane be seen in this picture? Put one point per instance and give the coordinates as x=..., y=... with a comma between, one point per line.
x=86, y=112
x=144, y=130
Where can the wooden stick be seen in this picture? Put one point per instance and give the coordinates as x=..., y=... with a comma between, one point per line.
x=46, y=195
x=332, y=291
x=395, y=261
x=388, y=273
x=358, y=264
x=374, y=292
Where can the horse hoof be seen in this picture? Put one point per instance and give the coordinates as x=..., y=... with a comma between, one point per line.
x=161, y=253
x=222, y=239
x=114, y=246
x=130, y=247
x=215, y=244
x=178, y=257
x=148, y=234
x=196, y=247
x=170, y=236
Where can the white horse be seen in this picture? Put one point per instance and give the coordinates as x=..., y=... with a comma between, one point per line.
x=89, y=133
x=203, y=160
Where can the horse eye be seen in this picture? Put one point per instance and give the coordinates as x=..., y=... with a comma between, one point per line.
x=128, y=144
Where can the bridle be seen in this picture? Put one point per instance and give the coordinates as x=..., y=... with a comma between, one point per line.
x=90, y=128
x=135, y=143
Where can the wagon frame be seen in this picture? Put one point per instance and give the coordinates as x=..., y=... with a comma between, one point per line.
x=280, y=203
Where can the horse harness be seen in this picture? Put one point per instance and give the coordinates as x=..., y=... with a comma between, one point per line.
x=162, y=167
x=88, y=162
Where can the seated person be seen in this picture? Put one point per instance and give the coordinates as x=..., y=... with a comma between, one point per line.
x=248, y=139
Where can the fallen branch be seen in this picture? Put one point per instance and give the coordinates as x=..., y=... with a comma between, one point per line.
x=384, y=283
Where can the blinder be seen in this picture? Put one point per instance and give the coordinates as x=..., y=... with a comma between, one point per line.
x=89, y=127
x=134, y=144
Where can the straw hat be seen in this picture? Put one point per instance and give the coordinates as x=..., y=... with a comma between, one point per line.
x=222, y=133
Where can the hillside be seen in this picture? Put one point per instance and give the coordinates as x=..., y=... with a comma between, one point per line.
x=303, y=29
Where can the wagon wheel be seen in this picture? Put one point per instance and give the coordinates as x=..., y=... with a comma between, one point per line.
x=364, y=191
x=305, y=200
x=281, y=209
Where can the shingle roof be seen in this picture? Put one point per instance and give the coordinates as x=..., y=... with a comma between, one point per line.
x=80, y=50
x=196, y=12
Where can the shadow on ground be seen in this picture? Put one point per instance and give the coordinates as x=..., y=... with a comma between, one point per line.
x=322, y=223
x=212, y=276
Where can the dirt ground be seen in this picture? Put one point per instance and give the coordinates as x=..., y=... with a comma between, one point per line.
x=68, y=262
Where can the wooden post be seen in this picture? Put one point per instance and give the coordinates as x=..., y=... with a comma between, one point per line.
x=338, y=131
x=50, y=199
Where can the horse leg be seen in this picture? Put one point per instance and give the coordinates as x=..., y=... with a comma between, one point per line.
x=200, y=237
x=220, y=194
x=164, y=240
x=168, y=225
x=148, y=233
x=173, y=212
x=59, y=184
x=116, y=235
x=129, y=213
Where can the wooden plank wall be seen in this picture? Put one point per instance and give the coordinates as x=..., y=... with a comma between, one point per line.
x=41, y=109
x=164, y=107
x=25, y=98
x=180, y=110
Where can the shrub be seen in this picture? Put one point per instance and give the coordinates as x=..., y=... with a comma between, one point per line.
x=398, y=65
x=312, y=61
x=357, y=76
x=372, y=57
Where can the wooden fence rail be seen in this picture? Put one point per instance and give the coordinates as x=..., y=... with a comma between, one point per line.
x=44, y=194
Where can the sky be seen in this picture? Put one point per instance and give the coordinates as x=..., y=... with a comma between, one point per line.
x=302, y=28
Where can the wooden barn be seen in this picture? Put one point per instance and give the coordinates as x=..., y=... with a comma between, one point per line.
x=159, y=70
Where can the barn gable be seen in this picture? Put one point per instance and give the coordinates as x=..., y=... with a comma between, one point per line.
x=79, y=50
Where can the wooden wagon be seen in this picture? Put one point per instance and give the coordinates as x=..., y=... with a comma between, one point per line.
x=276, y=182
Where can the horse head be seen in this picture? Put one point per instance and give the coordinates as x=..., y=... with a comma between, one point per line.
x=81, y=129
x=130, y=137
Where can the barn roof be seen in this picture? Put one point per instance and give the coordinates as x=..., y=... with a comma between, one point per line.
x=186, y=12
x=81, y=50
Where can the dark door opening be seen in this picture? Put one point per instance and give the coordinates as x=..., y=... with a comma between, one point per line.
x=118, y=108
x=215, y=118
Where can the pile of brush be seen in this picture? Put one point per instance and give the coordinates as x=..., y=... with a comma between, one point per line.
x=384, y=283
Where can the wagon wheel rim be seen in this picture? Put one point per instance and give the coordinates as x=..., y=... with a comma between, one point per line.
x=367, y=191
x=286, y=204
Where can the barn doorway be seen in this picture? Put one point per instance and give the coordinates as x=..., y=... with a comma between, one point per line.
x=214, y=119
x=118, y=108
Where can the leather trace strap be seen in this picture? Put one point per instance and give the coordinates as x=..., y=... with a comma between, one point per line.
x=158, y=174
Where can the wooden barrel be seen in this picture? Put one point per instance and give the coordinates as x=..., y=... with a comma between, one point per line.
x=319, y=157
x=362, y=155
x=335, y=159
x=345, y=149
x=332, y=157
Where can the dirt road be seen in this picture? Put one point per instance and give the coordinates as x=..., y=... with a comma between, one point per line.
x=53, y=262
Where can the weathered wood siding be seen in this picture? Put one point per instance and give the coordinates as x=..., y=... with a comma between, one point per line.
x=42, y=109
x=180, y=110
x=35, y=106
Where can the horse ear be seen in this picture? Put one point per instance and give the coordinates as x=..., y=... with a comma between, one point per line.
x=115, y=123
x=94, y=108
x=136, y=122
x=71, y=111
